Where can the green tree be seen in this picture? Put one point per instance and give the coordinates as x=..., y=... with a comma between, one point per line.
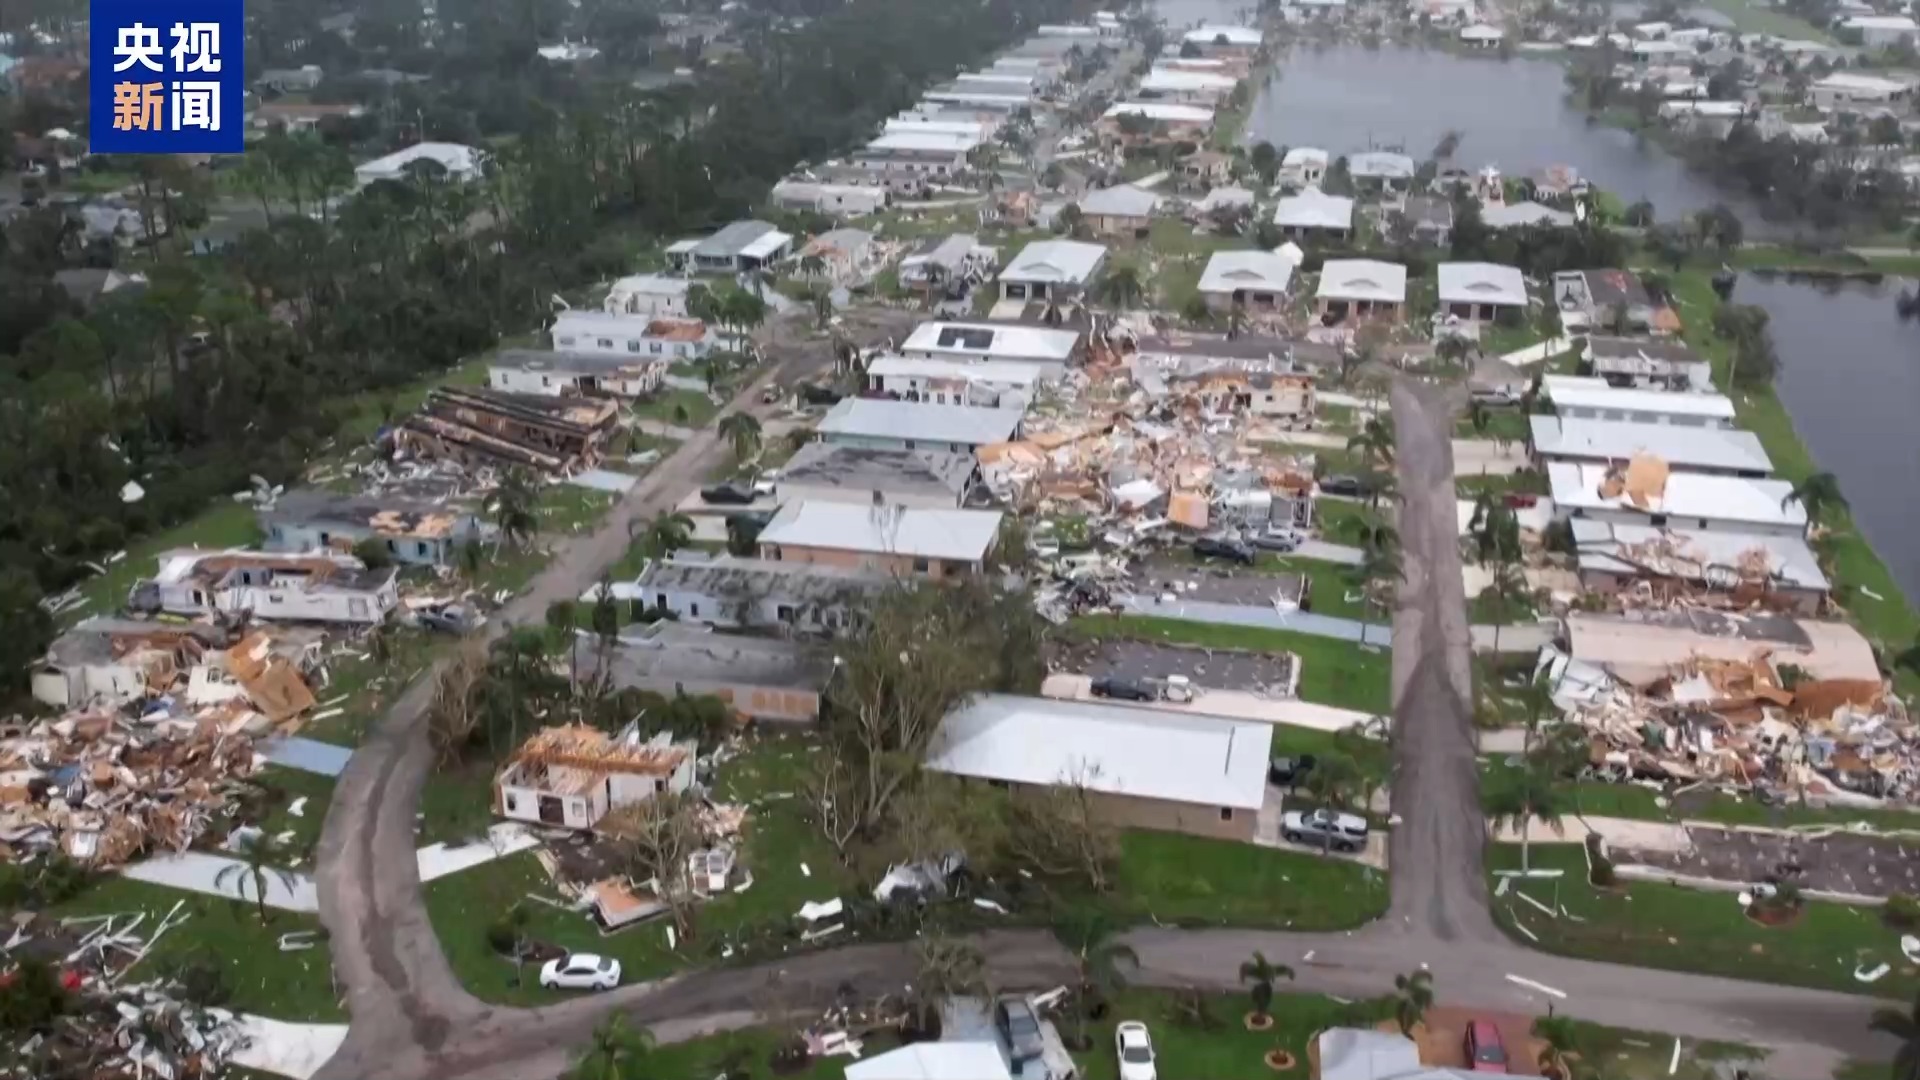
x=561, y=620
x=617, y=1052
x=1413, y=996
x=666, y=534
x=1335, y=780
x=1121, y=287
x=1519, y=797
x=1262, y=973
x=742, y=432
x=261, y=858
x=1374, y=442
x=945, y=968
x=1556, y=1037
x=1904, y=1026
x=512, y=507
x=1819, y=495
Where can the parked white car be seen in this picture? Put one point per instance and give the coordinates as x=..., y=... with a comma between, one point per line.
x=581, y=971
x=1134, y=1047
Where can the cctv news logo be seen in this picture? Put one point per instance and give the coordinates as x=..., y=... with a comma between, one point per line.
x=167, y=77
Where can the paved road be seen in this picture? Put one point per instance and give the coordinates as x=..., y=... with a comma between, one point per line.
x=412, y=1021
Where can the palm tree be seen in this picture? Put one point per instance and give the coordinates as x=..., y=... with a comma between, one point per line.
x=1520, y=797
x=1415, y=996
x=1478, y=416
x=1556, y=1037
x=1509, y=590
x=513, y=503
x=617, y=1052
x=667, y=534
x=1262, y=973
x=813, y=264
x=1334, y=781
x=1904, y=1026
x=742, y=430
x=1374, y=442
x=261, y=857
x=702, y=304
x=1816, y=494
x=1121, y=287
x=1379, y=568
x=1451, y=349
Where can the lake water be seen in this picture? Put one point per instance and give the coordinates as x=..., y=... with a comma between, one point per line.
x=1512, y=114
x=1850, y=377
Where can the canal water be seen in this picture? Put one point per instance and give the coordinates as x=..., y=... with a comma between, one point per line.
x=1850, y=378
x=1511, y=114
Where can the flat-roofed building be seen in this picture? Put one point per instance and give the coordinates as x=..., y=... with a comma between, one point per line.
x=902, y=541
x=823, y=472
x=1646, y=492
x=1053, y=350
x=1716, y=451
x=1593, y=399
x=995, y=385
x=879, y=424
x=1783, y=570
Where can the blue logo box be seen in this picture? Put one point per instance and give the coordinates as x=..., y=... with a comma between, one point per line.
x=167, y=77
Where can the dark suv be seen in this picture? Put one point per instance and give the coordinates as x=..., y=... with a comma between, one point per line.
x=1123, y=689
x=1211, y=547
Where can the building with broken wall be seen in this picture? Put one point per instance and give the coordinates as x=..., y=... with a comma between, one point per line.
x=415, y=532
x=759, y=678
x=322, y=588
x=114, y=661
x=1646, y=492
x=571, y=776
x=748, y=594
x=1645, y=566
x=485, y=427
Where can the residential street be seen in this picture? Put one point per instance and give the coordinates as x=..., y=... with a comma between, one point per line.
x=412, y=1021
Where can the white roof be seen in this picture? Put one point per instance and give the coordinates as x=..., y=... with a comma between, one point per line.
x=1235, y=35
x=650, y=285
x=453, y=157
x=596, y=321
x=967, y=97
x=877, y=418
x=1616, y=548
x=1121, y=200
x=1881, y=22
x=934, y=1061
x=1009, y=78
x=1381, y=164
x=1481, y=32
x=1161, y=110
x=1314, y=209
x=964, y=535
x=1686, y=496
x=1681, y=446
x=1164, y=80
x=1013, y=372
x=1230, y=270
x=1870, y=84
x=993, y=341
x=1575, y=392
x=947, y=127
x=1525, y=212
x=1119, y=749
x=957, y=142
x=1304, y=155
x=1363, y=279
x=1068, y=261
x=1482, y=283
x=765, y=244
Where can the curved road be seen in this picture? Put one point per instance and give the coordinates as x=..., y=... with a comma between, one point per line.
x=413, y=1021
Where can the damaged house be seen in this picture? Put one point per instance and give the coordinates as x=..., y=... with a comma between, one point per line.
x=956, y=260
x=575, y=374
x=1647, y=493
x=1642, y=648
x=415, y=532
x=760, y=678
x=1270, y=395
x=1052, y=350
x=114, y=661
x=1003, y=384
x=571, y=776
x=297, y=588
x=486, y=427
x=1648, y=363
x=825, y=472
x=1605, y=299
x=1669, y=564
x=733, y=593
x=877, y=424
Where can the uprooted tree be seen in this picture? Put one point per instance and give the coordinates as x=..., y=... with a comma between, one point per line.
x=922, y=652
x=1057, y=832
x=657, y=838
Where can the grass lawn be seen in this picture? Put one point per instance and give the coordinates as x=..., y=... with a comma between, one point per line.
x=569, y=508
x=1508, y=424
x=1782, y=258
x=1484, y=610
x=1501, y=340
x=1665, y=926
x=1890, y=621
x=1331, y=517
x=287, y=786
x=1526, y=481
x=1756, y=17
x=1601, y=799
x=1170, y=878
x=1338, y=419
x=1332, y=588
x=778, y=843
x=371, y=684
x=262, y=979
x=667, y=408
x=224, y=524
x=1337, y=673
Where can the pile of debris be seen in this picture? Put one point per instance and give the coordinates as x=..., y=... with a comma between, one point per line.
x=1739, y=726
x=103, y=788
